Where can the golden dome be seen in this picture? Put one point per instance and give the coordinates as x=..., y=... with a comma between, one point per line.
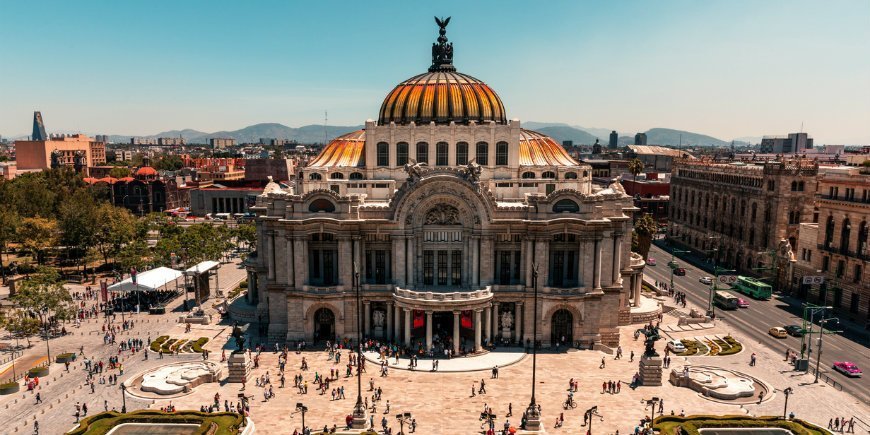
x=537, y=149
x=343, y=151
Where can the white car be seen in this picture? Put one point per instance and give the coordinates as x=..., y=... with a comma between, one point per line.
x=676, y=346
x=706, y=280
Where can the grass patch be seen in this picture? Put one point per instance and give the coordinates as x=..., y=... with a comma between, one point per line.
x=225, y=423
x=155, y=345
x=199, y=343
x=674, y=425
x=734, y=346
x=167, y=345
x=691, y=347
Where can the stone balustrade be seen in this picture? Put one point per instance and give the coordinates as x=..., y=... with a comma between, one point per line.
x=456, y=300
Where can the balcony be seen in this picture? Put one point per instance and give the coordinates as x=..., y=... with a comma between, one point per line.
x=443, y=300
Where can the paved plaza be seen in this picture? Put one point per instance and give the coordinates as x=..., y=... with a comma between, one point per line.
x=441, y=402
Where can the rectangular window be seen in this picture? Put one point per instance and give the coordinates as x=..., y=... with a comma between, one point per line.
x=314, y=270
x=328, y=268
x=570, y=267
x=383, y=154
x=826, y=263
x=380, y=267
x=501, y=154
x=442, y=267
x=441, y=154
x=461, y=153
x=401, y=153
x=428, y=268
x=422, y=152
x=857, y=273
x=456, y=267
x=504, y=276
x=550, y=188
x=482, y=153
x=517, y=266
x=558, y=268
x=368, y=265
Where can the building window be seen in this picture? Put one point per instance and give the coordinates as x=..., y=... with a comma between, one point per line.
x=377, y=262
x=550, y=188
x=570, y=175
x=383, y=154
x=771, y=185
x=549, y=174
x=314, y=177
x=428, y=268
x=442, y=267
x=528, y=175
x=401, y=153
x=501, y=154
x=357, y=176
x=826, y=263
x=441, y=154
x=456, y=267
x=841, y=268
x=422, y=152
x=461, y=153
x=482, y=155
x=337, y=176
x=856, y=275
x=566, y=206
x=829, y=232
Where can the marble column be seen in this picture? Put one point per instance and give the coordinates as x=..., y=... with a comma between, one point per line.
x=291, y=273
x=475, y=261
x=399, y=261
x=397, y=321
x=477, y=327
x=271, y=254
x=367, y=315
x=518, y=323
x=456, y=332
x=528, y=253
x=638, y=285
x=495, y=319
x=487, y=324
x=596, y=268
x=300, y=249
x=428, y=330
x=411, y=275
x=407, y=327
x=345, y=262
x=389, y=332
x=617, y=258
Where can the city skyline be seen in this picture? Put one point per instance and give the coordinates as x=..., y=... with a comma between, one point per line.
x=139, y=69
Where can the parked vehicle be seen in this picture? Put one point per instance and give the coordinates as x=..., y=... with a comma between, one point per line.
x=676, y=346
x=794, y=330
x=742, y=303
x=705, y=280
x=680, y=271
x=651, y=261
x=778, y=332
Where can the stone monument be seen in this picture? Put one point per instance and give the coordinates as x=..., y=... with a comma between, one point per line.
x=650, y=370
x=239, y=366
x=378, y=317
x=507, y=320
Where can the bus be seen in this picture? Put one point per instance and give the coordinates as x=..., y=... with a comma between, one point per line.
x=752, y=287
x=725, y=300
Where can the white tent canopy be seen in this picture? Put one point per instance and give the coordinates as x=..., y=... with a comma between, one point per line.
x=149, y=280
x=202, y=267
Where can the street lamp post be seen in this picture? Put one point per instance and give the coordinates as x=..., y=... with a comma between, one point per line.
x=302, y=409
x=123, y=398
x=788, y=391
x=532, y=414
x=673, y=264
x=652, y=404
x=403, y=418
x=713, y=288
x=819, y=348
x=592, y=412
x=359, y=410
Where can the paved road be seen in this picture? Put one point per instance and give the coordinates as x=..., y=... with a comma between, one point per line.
x=762, y=315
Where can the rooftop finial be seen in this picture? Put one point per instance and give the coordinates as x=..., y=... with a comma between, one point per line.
x=442, y=52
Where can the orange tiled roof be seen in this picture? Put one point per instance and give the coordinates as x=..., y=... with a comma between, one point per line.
x=345, y=150
x=537, y=149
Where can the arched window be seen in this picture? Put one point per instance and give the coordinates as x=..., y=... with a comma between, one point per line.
x=800, y=186
x=441, y=154
x=383, y=154
x=461, y=153
x=570, y=175
x=548, y=174
x=401, y=153
x=422, y=152
x=314, y=176
x=845, y=235
x=566, y=206
x=337, y=176
x=501, y=154
x=754, y=211
x=357, y=176
x=794, y=186
x=321, y=205
x=829, y=231
x=527, y=175
x=482, y=155
x=862, y=238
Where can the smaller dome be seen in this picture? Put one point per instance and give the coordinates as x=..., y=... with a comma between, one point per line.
x=146, y=171
x=537, y=149
x=343, y=151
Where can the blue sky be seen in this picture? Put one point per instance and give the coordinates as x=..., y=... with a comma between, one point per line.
x=724, y=68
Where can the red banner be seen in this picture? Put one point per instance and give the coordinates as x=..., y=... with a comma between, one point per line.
x=465, y=319
x=419, y=319
x=104, y=291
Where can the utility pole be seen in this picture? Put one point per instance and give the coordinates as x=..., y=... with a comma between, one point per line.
x=819, y=348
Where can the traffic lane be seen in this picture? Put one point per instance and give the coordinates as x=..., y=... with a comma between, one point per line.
x=835, y=347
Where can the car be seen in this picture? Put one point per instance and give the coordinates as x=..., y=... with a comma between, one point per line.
x=680, y=271
x=778, y=332
x=742, y=303
x=651, y=261
x=672, y=264
x=848, y=369
x=676, y=346
x=705, y=280
x=794, y=330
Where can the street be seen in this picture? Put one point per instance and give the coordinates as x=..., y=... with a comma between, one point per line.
x=756, y=320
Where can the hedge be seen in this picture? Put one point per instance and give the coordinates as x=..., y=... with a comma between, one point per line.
x=675, y=425
x=735, y=346
x=227, y=423
x=37, y=372
x=9, y=388
x=199, y=343
x=65, y=357
x=155, y=345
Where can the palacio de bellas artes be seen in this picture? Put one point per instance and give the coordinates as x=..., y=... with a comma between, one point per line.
x=447, y=216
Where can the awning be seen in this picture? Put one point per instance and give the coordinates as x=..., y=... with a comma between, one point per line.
x=149, y=280
x=202, y=267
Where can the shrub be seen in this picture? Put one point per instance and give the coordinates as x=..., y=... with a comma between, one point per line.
x=65, y=357
x=674, y=425
x=9, y=387
x=37, y=372
x=197, y=346
x=167, y=346
x=155, y=345
x=226, y=423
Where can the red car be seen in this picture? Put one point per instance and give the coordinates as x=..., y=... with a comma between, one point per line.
x=742, y=303
x=848, y=369
x=680, y=271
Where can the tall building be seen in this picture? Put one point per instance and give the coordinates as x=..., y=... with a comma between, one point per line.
x=639, y=139
x=75, y=150
x=220, y=143
x=170, y=141
x=38, y=127
x=740, y=213
x=450, y=215
x=614, y=140
x=794, y=143
x=835, y=244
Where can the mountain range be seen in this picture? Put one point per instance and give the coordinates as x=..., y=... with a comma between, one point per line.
x=306, y=134
x=655, y=136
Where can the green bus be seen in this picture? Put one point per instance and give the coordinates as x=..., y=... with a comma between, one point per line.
x=752, y=287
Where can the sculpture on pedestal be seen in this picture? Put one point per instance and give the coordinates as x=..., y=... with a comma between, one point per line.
x=239, y=336
x=652, y=335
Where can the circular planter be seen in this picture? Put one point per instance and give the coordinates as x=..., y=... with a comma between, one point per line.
x=38, y=371
x=65, y=358
x=9, y=388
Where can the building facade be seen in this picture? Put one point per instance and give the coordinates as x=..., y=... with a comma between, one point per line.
x=835, y=245
x=739, y=212
x=794, y=143
x=446, y=216
x=75, y=150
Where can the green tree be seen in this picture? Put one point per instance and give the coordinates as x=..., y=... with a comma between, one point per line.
x=246, y=235
x=115, y=227
x=79, y=223
x=9, y=221
x=645, y=227
x=134, y=254
x=22, y=326
x=635, y=166
x=43, y=295
x=119, y=172
x=169, y=163
x=38, y=235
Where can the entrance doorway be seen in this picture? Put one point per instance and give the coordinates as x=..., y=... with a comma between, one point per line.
x=324, y=325
x=562, y=326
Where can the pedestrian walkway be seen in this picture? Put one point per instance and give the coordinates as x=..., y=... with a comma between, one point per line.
x=486, y=361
